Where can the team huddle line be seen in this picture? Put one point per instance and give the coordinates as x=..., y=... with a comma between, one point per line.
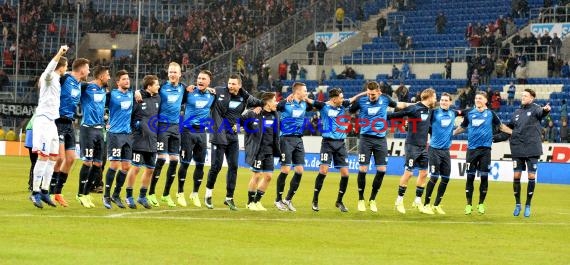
x=145, y=129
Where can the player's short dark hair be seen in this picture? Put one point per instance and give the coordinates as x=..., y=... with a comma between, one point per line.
x=297, y=85
x=372, y=85
x=148, y=80
x=99, y=70
x=62, y=61
x=207, y=72
x=335, y=92
x=235, y=76
x=121, y=73
x=78, y=63
x=266, y=96
x=445, y=94
x=531, y=92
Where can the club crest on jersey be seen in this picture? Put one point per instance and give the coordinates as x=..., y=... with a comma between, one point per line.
x=477, y=122
x=528, y=113
x=373, y=110
x=297, y=113
x=125, y=104
x=234, y=104
x=201, y=103
x=424, y=116
x=98, y=97
x=75, y=92
x=172, y=98
x=333, y=113
x=445, y=122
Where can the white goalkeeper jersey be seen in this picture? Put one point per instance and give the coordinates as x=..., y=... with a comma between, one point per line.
x=50, y=91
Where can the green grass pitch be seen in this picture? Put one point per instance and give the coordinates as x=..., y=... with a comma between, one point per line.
x=190, y=235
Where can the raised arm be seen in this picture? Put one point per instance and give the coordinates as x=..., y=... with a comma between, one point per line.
x=356, y=97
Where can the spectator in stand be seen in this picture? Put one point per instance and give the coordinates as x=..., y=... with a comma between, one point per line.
x=550, y=65
x=402, y=92
x=511, y=93
x=531, y=42
x=475, y=41
x=551, y=132
x=565, y=70
x=518, y=42
x=240, y=64
x=448, y=63
x=475, y=80
x=293, y=70
x=545, y=40
x=496, y=101
x=555, y=44
x=469, y=31
x=282, y=70
x=321, y=49
x=349, y=73
x=405, y=74
x=409, y=43
x=381, y=25
x=522, y=74
x=302, y=73
x=564, y=131
x=511, y=66
x=401, y=40
x=323, y=77
x=311, y=48
x=11, y=135
x=511, y=27
x=394, y=29
x=4, y=80
x=395, y=73
x=440, y=22
x=500, y=67
x=339, y=18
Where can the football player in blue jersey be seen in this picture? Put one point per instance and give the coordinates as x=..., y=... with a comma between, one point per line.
x=119, y=142
x=441, y=130
x=335, y=122
x=479, y=123
x=292, y=149
x=70, y=97
x=198, y=104
x=172, y=95
x=93, y=98
x=372, y=121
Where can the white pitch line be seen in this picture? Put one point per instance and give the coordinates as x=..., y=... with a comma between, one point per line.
x=253, y=219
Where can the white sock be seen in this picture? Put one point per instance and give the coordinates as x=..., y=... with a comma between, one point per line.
x=418, y=200
x=39, y=170
x=400, y=198
x=228, y=198
x=48, y=172
x=194, y=193
x=209, y=192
